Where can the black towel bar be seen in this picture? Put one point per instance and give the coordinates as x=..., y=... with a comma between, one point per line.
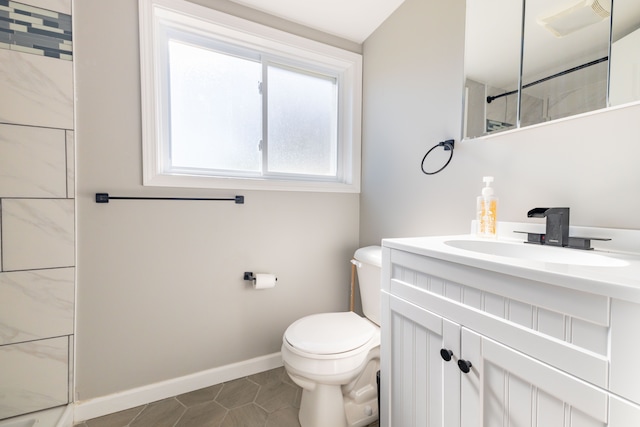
x=105, y=197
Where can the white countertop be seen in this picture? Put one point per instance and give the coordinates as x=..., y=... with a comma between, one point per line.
x=621, y=281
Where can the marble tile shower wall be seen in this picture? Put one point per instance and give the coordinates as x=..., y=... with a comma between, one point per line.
x=37, y=210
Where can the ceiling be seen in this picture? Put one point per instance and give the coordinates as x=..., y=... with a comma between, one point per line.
x=353, y=20
x=493, y=39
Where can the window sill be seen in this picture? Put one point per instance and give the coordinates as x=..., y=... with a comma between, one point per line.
x=196, y=181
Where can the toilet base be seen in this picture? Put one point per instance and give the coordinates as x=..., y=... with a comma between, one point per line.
x=343, y=414
x=322, y=407
x=351, y=405
x=361, y=397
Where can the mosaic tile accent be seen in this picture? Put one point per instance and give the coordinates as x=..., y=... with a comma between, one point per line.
x=34, y=30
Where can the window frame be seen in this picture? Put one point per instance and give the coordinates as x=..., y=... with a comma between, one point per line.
x=158, y=16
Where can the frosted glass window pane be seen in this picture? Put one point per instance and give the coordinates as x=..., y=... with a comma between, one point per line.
x=216, y=109
x=302, y=124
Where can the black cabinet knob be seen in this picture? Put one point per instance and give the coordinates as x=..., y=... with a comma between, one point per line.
x=446, y=354
x=464, y=365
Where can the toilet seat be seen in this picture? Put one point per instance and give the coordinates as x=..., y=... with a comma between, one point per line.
x=329, y=333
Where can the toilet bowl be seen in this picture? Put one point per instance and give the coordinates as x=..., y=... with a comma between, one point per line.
x=334, y=357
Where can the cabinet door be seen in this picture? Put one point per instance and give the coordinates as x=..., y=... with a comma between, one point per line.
x=623, y=413
x=507, y=388
x=625, y=348
x=420, y=388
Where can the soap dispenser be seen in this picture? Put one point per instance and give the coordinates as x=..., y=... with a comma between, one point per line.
x=487, y=210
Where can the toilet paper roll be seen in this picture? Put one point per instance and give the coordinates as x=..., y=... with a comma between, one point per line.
x=264, y=281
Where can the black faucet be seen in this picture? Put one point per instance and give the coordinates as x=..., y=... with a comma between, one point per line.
x=557, y=232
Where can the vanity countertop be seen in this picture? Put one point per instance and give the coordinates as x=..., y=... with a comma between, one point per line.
x=603, y=272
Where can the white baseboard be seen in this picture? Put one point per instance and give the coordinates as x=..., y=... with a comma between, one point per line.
x=93, y=408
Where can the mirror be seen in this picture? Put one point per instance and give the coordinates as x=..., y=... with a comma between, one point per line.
x=492, y=65
x=564, y=59
x=624, y=81
x=558, y=51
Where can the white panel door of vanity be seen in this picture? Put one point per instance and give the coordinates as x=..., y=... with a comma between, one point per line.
x=505, y=388
x=424, y=389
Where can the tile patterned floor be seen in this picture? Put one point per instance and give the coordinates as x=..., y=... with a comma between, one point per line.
x=267, y=399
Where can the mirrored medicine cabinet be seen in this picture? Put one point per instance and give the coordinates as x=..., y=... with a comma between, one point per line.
x=532, y=61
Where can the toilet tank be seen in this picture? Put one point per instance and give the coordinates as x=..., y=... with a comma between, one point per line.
x=368, y=261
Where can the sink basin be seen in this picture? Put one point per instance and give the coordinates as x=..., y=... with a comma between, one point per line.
x=539, y=253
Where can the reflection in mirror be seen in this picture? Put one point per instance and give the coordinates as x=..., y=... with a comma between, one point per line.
x=492, y=65
x=624, y=83
x=564, y=59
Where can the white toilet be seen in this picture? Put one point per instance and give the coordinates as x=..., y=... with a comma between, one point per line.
x=334, y=357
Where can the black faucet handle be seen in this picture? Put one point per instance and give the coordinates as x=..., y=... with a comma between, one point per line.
x=584, y=242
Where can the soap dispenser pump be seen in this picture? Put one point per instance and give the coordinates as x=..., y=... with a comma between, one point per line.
x=487, y=210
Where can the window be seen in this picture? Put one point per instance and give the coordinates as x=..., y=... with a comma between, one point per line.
x=228, y=103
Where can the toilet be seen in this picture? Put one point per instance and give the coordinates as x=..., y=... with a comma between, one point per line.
x=335, y=357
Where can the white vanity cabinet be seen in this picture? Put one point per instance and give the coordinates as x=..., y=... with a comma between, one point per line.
x=541, y=354
x=421, y=385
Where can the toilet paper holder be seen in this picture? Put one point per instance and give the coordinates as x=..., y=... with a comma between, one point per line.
x=248, y=275
x=261, y=280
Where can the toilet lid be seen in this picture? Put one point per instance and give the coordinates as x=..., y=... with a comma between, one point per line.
x=329, y=333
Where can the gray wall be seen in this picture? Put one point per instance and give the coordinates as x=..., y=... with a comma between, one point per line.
x=160, y=289
x=413, y=99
